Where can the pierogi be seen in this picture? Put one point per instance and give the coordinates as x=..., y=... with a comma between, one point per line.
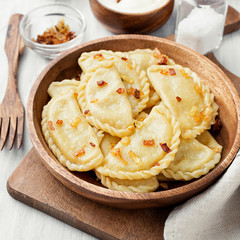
x=135, y=118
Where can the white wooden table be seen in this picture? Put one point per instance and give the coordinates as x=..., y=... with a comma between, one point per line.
x=19, y=221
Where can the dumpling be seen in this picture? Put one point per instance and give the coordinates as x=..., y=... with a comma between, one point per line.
x=145, y=58
x=104, y=106
x=125, y=185
x=57, y=88
x=68, y=134
x=134, y=79
x=143, y=185
x=186, y=96
x=146, y=152
x=195, y=157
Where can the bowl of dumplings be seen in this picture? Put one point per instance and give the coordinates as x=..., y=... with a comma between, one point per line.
x=134, y=121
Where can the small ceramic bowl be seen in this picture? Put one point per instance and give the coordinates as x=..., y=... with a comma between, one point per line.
x=37, y=21
x=121, y=22
x=85, y=183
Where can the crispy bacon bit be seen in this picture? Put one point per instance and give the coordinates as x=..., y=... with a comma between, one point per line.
x=79, y=153
x=163, y=185
x=198, y=89
x=178, y=99
x=216, y=150
x=59, y=122
x=124, y=58
x=50, y=125
x=75, y=122
x=75, y=95
x=163, y=60
x=172, y=72
x=135, y=158
x=164, y=72
x=113, y=145
x=120, y=90
x=92, y=144
x=98, y=56
x=165, y=147
x=156, y=53
x=217, y=126
x=116, y=152
x=156, y=164
x=86, y=112
x=137, y=94
x=118, y=1
x=149, y=142
x=125, y=140
x=184, y=73
x=93, y=101
x=56, y=35
x=101, y=83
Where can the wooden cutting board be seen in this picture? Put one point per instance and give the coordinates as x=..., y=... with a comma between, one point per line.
x=32, y=184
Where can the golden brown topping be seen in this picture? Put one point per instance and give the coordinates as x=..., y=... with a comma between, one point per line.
x=135, y=92
x=116, y=152
x=79, y=153
x=124, y=58
x=164, y=72
x=98, y=56
x=86, y=112
x=156, y=164
x=172, y=72
x=135, y=158
x=205, y=112
x=113, y=145
x=149, y=142
x=120, y=90
x=75, y=95
x=131, y=127
x=130, y=66
x=118, y=1
x=216, y=150
x=178, y=99
x=56, y=35
x=125, y=140
x=59, y=122
x=75, y=122
x=163, y=60
x=165, y=147
x=101, y=83
x=93, y=101
x=50, y=125
x=184, y=73
x=92, y=144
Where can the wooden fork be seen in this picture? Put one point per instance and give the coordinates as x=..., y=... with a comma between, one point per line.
x=11, y=108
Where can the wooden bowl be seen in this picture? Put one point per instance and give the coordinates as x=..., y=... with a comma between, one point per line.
x=85, y=184
x=120, y=22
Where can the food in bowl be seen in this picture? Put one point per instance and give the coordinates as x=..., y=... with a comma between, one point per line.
x=60, y=33
x=135, y=118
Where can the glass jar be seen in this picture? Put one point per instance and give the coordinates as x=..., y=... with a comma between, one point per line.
x=200, y=24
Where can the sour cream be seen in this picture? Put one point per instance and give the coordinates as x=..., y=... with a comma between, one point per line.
x=133, y=6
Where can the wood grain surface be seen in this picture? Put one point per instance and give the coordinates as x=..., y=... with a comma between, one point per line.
x=32, y=184
x=118, y=22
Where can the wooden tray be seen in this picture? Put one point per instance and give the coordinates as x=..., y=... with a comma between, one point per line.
x=32, y=184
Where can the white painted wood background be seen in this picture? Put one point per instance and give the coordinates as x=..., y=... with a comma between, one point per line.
x=19, y=221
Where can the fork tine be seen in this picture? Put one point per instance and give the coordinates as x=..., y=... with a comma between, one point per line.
x=4, y=131
x=12, y=131
x=20, y=124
